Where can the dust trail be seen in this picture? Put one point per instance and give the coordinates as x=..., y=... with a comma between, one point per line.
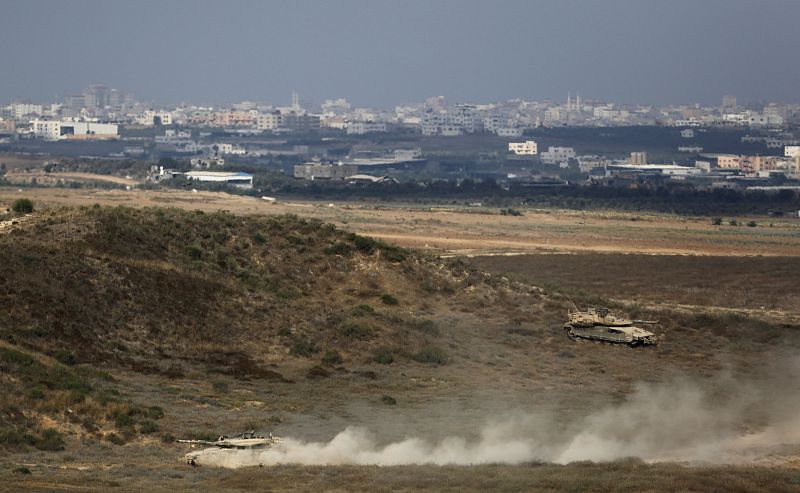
x=728, y=421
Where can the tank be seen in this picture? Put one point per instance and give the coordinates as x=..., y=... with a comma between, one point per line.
x=247, y=440
x=597, y=324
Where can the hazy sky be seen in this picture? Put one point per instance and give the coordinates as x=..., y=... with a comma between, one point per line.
x=381, y=53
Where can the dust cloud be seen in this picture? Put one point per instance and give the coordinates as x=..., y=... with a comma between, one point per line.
x=721, y=420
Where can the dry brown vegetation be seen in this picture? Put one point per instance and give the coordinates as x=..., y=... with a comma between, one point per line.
x=227, y=322
x=734, y=282
x=626, y=476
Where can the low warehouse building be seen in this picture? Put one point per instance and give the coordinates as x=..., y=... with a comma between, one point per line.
x=236, y=179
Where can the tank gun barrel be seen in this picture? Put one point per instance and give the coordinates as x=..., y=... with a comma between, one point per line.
x=645, y=321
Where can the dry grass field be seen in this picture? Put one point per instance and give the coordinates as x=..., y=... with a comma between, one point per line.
x=462, y=230
x=227, y=322
x=763, y=283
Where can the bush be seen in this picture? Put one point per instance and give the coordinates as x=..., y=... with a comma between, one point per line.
x=13, y=437
x=389, y=400
x=331, y=357
x=362, y=310
x=259, y=238
x=50, y=440
x=752, y=224
x=430, y=354
x=355, y=330
x=115, y=439
x=338, y=248
x=22, y=470
x=146, y=427
x=716, y=221
x=388, y=299
x=154, y=412
x=167, y=438
x=22, y=206
x=733, y=222
x=364, y=244
x=383, y=356
x=302, y=347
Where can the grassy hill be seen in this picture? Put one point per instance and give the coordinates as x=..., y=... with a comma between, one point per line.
x=170, y=293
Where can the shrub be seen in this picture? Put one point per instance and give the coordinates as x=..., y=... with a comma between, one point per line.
x=50, y=440
x=364, y=244
x=331, y=357
x=22, y=470
x=219, y=386
x=383, y=356
x=752, y=224
x=362, y=310
x=355, y=330
x=14, y=437
x=154, y=412
x=115, y=439
x=167, y=438
x=259, y=238
x=302, y=347
x=733, y=222
x=389, y=400
x=22, y=206
x=338, y=248
x=388, y=299
x=147, y=426
x=716, y=221
x=430, y=354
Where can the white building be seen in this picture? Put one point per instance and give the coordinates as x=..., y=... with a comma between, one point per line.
x=172, y=137
x=765, y=120
x=66, y=130
x=791, y=151
x=527, y=148
x=150, y=118
x=557, y=155
x=236, y=179
x=269, y=121
x=361, y=128
x=21, y=110
x=47, y=130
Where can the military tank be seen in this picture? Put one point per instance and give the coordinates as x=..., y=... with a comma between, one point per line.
x=245, y=441
x=598, y=324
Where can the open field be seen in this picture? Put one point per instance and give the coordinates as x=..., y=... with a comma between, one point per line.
x=461, y=230
x=224, y=323
x=757, y=283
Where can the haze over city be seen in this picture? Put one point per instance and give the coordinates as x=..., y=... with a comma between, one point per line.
x=378, y=246
x=382, y=53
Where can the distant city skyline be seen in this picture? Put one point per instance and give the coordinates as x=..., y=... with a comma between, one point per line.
x=381, y=53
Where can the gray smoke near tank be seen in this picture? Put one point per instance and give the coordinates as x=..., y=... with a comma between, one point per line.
x=728, y=421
